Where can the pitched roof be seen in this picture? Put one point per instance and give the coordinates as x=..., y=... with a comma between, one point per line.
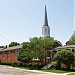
x=11, y=48
x=65, y=47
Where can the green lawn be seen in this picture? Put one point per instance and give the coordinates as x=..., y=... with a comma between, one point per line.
x=72, y=74
x=51, y=70
x=55, y=71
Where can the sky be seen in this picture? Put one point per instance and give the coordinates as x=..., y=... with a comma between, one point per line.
x=23, y=19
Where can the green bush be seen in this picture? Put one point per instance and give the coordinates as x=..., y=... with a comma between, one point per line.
x=35, y=66
x=65, y=56
x=57, y=65
x=15, y=64
x=22, y=64
x=5, y=63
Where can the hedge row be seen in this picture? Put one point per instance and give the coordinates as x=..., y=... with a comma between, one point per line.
x=25, y=65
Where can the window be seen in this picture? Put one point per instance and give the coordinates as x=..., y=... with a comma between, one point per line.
x=72, y=50
x=8, y=54
x=48, y=31
x=16, y=53
x=45, y=30
x=3, y=55
x=42, y=30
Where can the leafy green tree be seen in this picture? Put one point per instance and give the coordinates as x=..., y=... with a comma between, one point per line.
x=48, y=42
x=1, y=46
x=25, y=53
x=14, y=44
x=71, y=40
x=40, y=46
x=35, y=48
x=65, y=56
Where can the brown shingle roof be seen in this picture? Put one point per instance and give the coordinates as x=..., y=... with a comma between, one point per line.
x=65, y=47
x=11, y=48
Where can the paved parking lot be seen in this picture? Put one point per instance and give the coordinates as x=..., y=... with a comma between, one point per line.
x=6, y=70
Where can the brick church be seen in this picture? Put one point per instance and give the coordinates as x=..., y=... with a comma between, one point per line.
x=9, y=54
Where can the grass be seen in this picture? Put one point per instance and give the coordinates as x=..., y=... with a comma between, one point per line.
x=55, y=71
x=71, y=74
x=50, y=70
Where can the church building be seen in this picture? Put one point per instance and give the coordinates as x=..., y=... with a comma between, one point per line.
x=9, y=54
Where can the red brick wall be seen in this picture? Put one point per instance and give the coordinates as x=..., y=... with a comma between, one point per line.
x=6, y=59
x=14, y=59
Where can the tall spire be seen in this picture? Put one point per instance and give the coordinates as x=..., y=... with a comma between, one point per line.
x=45, y=28
x=45, y=19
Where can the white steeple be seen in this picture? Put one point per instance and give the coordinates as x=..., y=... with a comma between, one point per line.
x=45, y=28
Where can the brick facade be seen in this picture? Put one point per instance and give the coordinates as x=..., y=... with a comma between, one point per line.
x=9, y=54
x=8, y=57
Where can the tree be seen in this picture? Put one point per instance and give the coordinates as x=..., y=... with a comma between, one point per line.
x=40, y=46
x=47, y=42
x=35, y=48
x=71, y=40
x=25, y=53
x=65, y=56
x=1, y=46
x=14, y=44
x=56, y=44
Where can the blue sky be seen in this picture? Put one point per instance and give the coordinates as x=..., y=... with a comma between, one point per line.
x=21, y=19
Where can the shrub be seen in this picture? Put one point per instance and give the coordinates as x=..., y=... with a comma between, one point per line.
x=65, y=56
x=5, y=63
x=56, y=65
x=22, y=64
x=15, y=64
